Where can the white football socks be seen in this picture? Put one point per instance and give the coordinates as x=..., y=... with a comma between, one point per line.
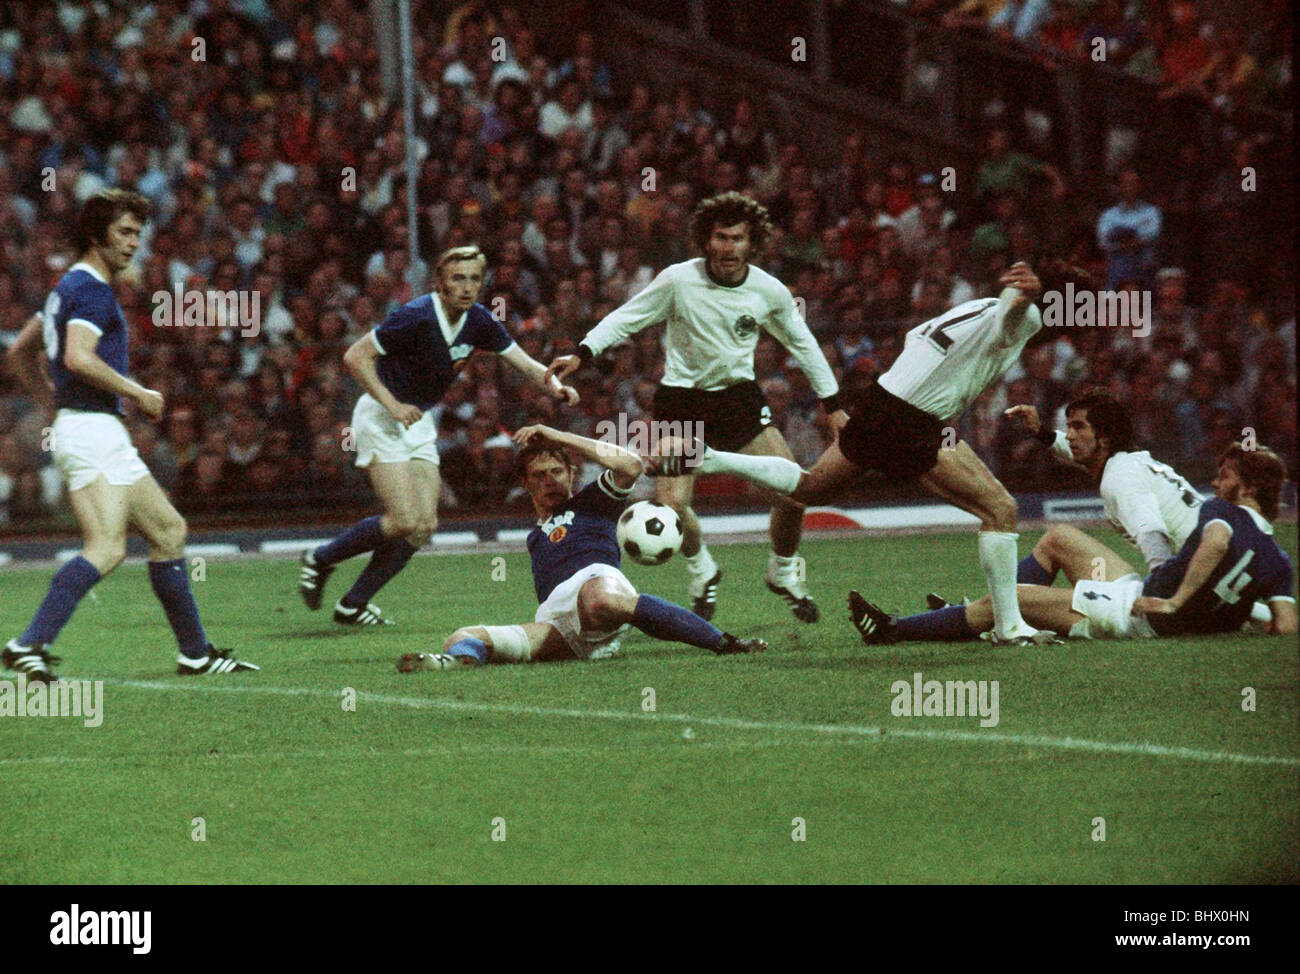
x=774, y=473
x=701, y=564
x=998, y=559
x=780, y=567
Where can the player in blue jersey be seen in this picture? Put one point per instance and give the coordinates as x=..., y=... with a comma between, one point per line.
x=1229, y=561
x=109, y=487
x=586, y=602
x=406, y=365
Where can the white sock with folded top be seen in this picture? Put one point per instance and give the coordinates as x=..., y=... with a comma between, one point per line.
x=774, y=473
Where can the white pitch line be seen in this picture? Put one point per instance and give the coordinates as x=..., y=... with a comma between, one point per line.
x=450, y=749
x=1144, y=749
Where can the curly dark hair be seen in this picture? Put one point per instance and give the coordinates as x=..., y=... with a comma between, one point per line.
x=100, y=211
x=728, y=209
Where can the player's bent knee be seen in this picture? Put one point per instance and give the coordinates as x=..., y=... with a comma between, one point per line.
x=603, y=607
x=172, y=537
x=1003, y=513
x=105, y=556
x=402, y=524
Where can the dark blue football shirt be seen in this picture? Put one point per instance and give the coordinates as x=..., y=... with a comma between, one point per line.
x=83, y=299
x=583, y=532
x=1253, y=568
x=418, y=363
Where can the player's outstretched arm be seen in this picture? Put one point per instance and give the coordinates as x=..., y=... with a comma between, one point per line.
x=539, y=375
x=625, y=464
x=1021, y=279
x=360, y=359
x=1215, y=539
x=1054, y=440
x=789, y=328
x=81, y=360
x=649, y=307
x=23, y=358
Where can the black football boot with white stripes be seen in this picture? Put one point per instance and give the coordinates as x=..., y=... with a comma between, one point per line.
x=363, y=615
x=705, y=602
x=312, y=577
x=32, y=661
x=876, y=626
x=217, y=661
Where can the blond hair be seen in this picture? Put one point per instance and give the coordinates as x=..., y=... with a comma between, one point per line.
x=454, y=255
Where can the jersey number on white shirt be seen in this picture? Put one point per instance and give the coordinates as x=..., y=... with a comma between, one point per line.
x=936, y=331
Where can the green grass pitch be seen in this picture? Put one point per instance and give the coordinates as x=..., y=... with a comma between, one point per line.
x=786, y=767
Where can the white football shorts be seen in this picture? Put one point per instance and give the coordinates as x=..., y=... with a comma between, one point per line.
x=1107, y=608
x=380, y=438
x=561, y=610
x=88, y=445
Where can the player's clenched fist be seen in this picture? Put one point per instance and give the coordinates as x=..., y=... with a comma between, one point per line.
x=151, y=402
x=406, y=414
x=1021, y=277
x=1028, y=417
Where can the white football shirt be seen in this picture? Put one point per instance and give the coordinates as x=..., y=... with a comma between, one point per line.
x=712, y=329
x=1141, y=494
x=948, y=361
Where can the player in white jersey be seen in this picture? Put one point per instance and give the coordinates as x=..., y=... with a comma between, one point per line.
x=898, y=430
x=1148, y=502
x=714, y=307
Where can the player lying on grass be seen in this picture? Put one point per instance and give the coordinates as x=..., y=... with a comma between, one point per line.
x=898, y=430
x=586, y=602
x=1230, y=560
x=109, y=487
x=405, y=366
x=1146, y=501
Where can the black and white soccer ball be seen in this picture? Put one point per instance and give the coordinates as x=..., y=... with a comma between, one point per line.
x=649, y=533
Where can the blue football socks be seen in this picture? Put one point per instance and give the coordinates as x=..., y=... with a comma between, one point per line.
x=1030, y=572
x=662, y=619
x=68, y=587
x=389, y=559
x=947, y=623
x=469, y=647
x=171, y=583
x=363, y=536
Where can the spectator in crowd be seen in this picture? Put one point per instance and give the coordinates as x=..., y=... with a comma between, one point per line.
x=1129, y=233
x=542, y=158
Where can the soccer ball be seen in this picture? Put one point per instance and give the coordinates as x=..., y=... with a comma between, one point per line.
x=649, y=533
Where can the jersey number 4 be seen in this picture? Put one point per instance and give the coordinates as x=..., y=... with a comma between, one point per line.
x=937, y=331
x=1230, y=585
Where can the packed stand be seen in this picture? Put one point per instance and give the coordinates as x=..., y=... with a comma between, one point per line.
x=276, y=167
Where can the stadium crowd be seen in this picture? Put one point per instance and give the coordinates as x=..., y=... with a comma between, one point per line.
x=275, y=165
